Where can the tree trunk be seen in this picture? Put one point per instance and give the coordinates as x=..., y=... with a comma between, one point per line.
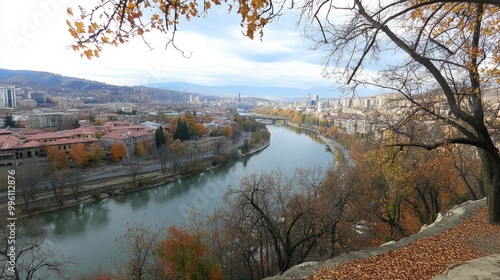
x=491, y=175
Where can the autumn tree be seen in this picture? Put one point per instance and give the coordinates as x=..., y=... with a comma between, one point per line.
x=118, y=151
x=140, y=150
x=79, y=154
x=183, y=255
x=96, y=154
x=57, y=159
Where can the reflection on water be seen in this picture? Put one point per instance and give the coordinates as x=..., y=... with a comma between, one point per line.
x=88, y=231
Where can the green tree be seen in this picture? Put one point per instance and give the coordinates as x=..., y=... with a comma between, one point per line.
x=9, y=122
x=182, y=131
x=160, y=137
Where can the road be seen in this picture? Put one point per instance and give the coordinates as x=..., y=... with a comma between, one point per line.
x=148, y=164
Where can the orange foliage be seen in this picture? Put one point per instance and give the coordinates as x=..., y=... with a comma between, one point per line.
x=57, y=158
x=228, y=131
x=79, y=154
x=118, y=151
x=199, y=129
x=184, y=256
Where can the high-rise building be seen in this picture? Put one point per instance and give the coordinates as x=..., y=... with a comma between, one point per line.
x=8, y=96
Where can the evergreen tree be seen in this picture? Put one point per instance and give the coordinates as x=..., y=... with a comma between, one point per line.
x=160, y=137
x=182, y=132
x=9, y=122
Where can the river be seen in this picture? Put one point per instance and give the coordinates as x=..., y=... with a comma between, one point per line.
x=88, y=231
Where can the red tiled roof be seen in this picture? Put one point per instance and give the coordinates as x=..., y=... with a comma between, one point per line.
x=32, y=144
x=8, y=142
x=72, y=141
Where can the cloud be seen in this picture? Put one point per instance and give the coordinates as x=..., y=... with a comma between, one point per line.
x=220, y=54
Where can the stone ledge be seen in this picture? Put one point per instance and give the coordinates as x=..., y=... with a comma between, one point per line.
x=449, y=220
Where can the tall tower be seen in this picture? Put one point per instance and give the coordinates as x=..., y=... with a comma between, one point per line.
x=8, y=96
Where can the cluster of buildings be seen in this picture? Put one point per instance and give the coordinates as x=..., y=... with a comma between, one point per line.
x=63, y=123
x=16, y=145
x=366, y=115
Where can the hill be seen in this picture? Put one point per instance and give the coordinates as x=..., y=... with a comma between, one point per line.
x=46, y=79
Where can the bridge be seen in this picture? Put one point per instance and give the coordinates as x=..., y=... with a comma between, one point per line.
x=270, y=120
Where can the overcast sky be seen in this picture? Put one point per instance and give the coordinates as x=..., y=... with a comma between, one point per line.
x=35, y=37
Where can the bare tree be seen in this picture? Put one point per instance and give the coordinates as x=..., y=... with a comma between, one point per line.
x=134, y=169
x=444, y=75
x=75, y=180
x=273, y=222
x=57, y=180
x=163, y=154
x=28, y=178
x=138, y=246
x=32, y=257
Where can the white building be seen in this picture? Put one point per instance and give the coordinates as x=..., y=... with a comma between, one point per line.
x=8, y=96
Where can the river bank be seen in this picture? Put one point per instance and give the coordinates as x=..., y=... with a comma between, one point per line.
x=113, y=185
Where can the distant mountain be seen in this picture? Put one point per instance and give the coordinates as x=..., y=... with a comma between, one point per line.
x=27, y=78
x=273, y=93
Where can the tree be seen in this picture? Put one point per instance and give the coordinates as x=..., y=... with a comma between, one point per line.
x=96, y=154
x=140, y=150
x=57, y=159
x=139, y=260
x=74, y=178
x=9, y=122
x=177, y=150
x=79, y=154
x=33, y=258
x=134, y=169
x=451, y=58
x=163, y=154
x=118, y=152
x=183, y=255
x=27, y=180
x=57, y=180
x=276, y=219
x=160, y=137
x=182, y=131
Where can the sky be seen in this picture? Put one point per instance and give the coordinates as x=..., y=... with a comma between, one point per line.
x=35, y=37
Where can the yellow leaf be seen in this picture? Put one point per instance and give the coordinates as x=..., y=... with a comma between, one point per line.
x=140, y=32
x=80, y=27
x=88, y=54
